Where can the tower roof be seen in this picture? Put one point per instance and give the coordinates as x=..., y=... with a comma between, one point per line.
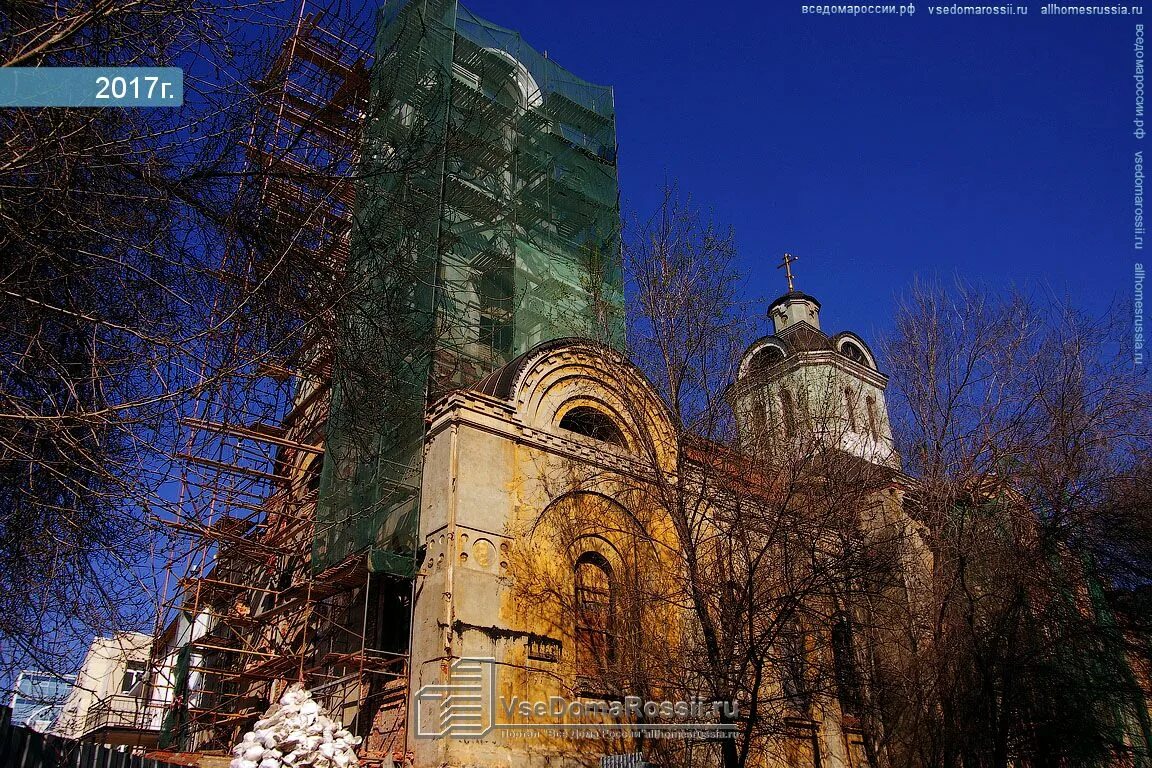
x=794, y=308
x=793, y=296
x=802, y=337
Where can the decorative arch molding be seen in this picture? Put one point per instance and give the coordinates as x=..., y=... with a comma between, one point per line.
x=844, y=341
x=583, y=521
x=522, y=86
x=595, y=544
x=584, y=514
x=548, y=381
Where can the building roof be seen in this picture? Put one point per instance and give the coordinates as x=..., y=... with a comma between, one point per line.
x=499, y=382
x=802, y=337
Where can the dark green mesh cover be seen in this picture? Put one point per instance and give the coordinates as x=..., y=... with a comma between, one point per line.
x=487, y=223
x=172, y=726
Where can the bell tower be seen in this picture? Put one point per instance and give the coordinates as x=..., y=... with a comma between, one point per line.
x=800, y=389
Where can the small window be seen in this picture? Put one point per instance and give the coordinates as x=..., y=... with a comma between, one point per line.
x=133, y=675
x=592, y=423
x=313, y=474
x=792, y=647
x=789, y=412
x=850, y=407
x=805, y=407
x=759, y=420
x=853, y=353
x=494, y=289
x=595, y=614
x=844, y=666
x=873, y=421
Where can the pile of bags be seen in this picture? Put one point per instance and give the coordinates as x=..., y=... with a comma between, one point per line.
x=296, y=733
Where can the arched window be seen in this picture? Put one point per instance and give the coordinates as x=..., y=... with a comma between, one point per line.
x=313, y=474
x=844, y=666
x=765, y=359
x=792, y=647
x=592, y=423
x=759, y=422
x=873, y=421
x=788, y=408
x=850, y=407
x=805, y=407
x=595, y=614
x=853, y=353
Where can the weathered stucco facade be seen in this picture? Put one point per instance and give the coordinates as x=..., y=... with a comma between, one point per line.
x=545, y=492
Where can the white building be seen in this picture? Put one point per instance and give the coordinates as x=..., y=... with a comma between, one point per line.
x=107, y=704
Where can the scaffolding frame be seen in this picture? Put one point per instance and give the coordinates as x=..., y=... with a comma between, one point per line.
x=500, y=233
x=246, y=615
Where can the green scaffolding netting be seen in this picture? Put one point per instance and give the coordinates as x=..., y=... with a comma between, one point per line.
x=175, y=717
x=487, y=222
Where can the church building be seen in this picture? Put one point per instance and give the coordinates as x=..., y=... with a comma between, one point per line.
x=488, y=540
x=554, y=566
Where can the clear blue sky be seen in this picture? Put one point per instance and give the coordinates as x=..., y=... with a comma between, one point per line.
x=876, y=148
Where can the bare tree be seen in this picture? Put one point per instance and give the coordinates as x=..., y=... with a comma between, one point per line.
x=107, y=247
x=756, y=561
x=1017, y=416
x=148, y=280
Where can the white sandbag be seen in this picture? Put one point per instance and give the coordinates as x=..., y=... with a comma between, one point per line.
x=296, y=733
